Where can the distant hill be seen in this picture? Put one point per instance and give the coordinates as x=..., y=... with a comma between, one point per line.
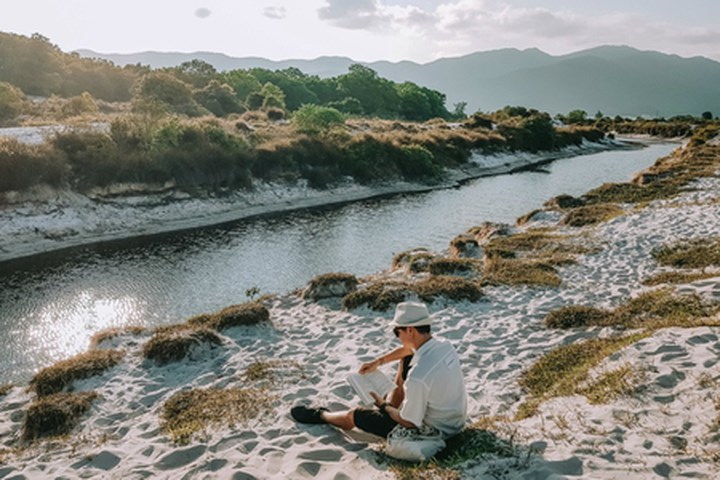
x=611, y=79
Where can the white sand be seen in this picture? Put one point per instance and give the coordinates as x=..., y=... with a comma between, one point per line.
x=664, y=431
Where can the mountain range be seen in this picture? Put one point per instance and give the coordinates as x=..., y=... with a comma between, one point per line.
x=615, y=80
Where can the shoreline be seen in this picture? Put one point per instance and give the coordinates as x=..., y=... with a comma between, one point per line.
x=72, y=220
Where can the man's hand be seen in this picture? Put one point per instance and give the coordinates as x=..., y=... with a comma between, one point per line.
x=369, y=367
x=378, y=399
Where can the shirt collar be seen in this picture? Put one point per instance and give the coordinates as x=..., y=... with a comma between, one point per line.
x=417, y=354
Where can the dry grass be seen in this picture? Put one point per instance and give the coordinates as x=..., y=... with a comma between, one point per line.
x=489, y=230
x=653, y=309
x=524, y=219
x=250, y=313
x=271, y=370
x=562, y=371
x=5, y=389
x=451, y=288
x=105, y=335
x=611, y=385
x=454, y=266
x=591, y=214
x=174, y=343
x=574, y=316
x=499, y=271
x=697, y=253
x=379, y=296
x=676, y=278
x=56, y=414
x=563, y=202
x=464, y=245
x=191, y=411
x=417, y=260
x=470, y=444
x=329, y=285
x=60, y=376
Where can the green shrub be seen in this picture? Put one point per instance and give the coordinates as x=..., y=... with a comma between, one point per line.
x=79, y=105
x=56, y=414
x=60, y=376
x=12, y=102
x=24, y=166
x=315, y=119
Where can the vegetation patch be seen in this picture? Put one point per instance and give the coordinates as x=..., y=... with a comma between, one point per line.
x=698, y=253
x=191, y=411
x=524, y=219
x=576, y=316
x=676, y=278
x=379, y=296
x=60, y=376
x=174, y=343
x=5, y=389
x=464, y=245
x=473, y=443
x=452, y=288
x=271, y=370
x=499, y=271
x=591, y=214
x=56, y=414
x=563, y=370
x=330, y=285
x=488, y=230
x=652, y=309
x=417, y=260
x=106, y=335
x=611, y=385
x=453, y=266
x=563, y=202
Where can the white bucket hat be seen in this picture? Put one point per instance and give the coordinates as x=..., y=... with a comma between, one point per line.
x=411, y=314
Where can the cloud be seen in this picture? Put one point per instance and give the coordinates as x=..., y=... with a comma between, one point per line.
x=202, y=13
x=462, y=26
x=276, y=12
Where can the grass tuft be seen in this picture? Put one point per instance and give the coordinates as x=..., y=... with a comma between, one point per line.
x=676, y=278
x=561, y=371
x=453, y=266
x=698, y=253
x=173, y=343
x=417, y=260
x=191, y=411
x=591, y=214
x=500, y=271
x=574, y=316
x=60, y=376
x=611, y=385
x=330, y=285
x=105, y=335
x=464, y=245
x=379, y=296
x=56, y=414
x=250, y=313
x=470, y=444
x=5, y=389
x=452, y=288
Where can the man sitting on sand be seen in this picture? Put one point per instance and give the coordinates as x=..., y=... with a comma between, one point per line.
x=431, y=394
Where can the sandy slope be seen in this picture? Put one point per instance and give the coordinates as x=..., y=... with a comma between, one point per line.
x=664, y=431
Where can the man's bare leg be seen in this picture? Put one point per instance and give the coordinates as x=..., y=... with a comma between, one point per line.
x=344, y=420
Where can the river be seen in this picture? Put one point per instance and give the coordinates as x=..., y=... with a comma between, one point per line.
x=51, y=304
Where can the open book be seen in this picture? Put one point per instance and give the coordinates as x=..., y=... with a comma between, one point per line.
x=375, y=381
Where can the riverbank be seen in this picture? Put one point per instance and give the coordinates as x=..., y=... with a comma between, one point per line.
x=661, y=424
x=45, y=219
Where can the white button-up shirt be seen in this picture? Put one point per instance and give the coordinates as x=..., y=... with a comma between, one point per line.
x=435, y=389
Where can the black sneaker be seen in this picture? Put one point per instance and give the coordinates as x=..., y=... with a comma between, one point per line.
x=303, y=414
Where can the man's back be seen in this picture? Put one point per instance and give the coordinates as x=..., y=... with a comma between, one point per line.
x=435, y=389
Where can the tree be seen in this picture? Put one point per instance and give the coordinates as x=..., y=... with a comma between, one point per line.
x=166, y=90
x=459, y=110
x=242, y=83
x=219, y=98
x=273, y=96
x=576, y=116
x=376, y=95
x=707, y=115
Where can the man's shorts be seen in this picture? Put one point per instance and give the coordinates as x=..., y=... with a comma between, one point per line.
x=372, y=420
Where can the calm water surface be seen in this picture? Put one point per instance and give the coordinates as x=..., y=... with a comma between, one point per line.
x=50, y=305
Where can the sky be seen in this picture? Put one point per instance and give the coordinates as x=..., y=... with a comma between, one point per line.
x=368, y=30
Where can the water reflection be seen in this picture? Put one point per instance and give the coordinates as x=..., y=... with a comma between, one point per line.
x=50, y=305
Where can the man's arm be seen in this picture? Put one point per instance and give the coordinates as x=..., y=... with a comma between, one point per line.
x=396, y=354
x=392, y=412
